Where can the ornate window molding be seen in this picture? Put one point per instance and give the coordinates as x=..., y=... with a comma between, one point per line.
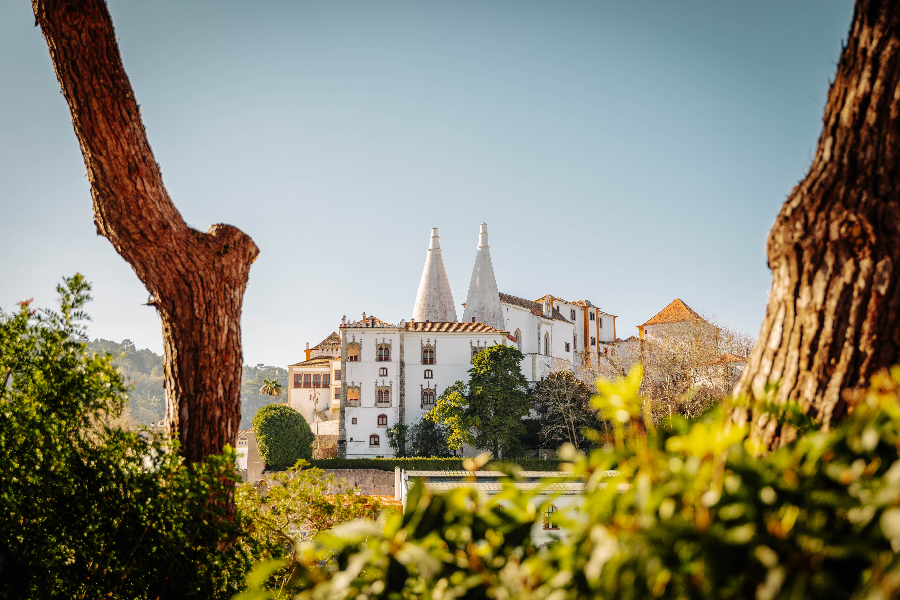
x=383, y=393
x=352, y=394
x=429, y=351
x=518, y=335
x=354, y=350
x=429, y=397
x=383, y=350
x=546, y=344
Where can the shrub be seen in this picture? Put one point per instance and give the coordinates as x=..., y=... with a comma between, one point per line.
x=425, y=464
x=283, y=435
x=88, y=510
x=695, y=511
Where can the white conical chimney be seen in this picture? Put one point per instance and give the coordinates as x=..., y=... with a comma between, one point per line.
x=483, y=301
x=434, y=301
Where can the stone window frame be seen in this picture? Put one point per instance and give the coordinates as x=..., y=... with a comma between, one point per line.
x=476, y=348
x=518, y=336
x=547, y=343
x=429, y=351
x=382, y=372
x=383, y=350
x=354, y=351
x=382, y=391
x=351, y=401
x=382, y=420
x=430, y=393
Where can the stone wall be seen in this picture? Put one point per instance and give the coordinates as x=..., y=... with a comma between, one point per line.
x=371, y=482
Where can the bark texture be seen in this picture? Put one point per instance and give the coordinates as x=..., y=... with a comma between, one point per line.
x=196, y=280
x=832, y=316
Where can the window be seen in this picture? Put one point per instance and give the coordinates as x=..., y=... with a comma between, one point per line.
x=592, y=315
x=550, y=518
x=337, y=393
x=326, y=380
x=428, y=356
x=382, y=420
x=382, y=372
x=353, y=396
x=307, y=380
x=518, y=335
x=298, y=380
x=382, y=395
x=593, y=341
x=429, y=374
x=384, y=353
x=572, y=314
x=374, y=440
x=600, y=322
x=353, y=421
x=575, y=341
x=428, y=397
x=567, y=347
x=546, y=344
x=353, y=352
x=317, y=380
x=337, y=374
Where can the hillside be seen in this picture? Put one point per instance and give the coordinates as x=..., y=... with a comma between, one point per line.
x=143, y=370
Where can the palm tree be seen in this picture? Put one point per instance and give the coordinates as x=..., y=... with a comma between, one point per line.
x=270, y=387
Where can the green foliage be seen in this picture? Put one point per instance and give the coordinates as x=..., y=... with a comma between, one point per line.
x=424, y=464
x=142, y=370
x=696, y=511
x=88, y=510
x=398, y=437
x=283, y=436
x=294, y=505
x=487, y=412
x=427, y=438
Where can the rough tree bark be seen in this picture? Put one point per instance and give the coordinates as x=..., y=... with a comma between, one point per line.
x=196, y=280
x=832, y=319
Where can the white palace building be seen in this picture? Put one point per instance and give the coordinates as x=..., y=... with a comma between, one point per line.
x=371, y=374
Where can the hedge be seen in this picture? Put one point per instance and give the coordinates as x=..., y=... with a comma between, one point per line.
x=283, y=436
x=425, y=464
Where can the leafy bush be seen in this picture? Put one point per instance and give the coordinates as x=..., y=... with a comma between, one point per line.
x=283, y=435
x=695, y=511
x=424, y=464
x=88, y=510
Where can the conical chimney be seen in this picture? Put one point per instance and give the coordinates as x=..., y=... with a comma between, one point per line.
x=483, y=301
x=434, y=301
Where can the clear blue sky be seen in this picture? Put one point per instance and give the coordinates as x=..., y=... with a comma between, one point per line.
x=624, y=152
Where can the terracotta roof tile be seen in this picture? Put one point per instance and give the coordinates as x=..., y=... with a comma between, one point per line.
x=535, y=307
x=446, y=327
x=332, y=341
x=676, y=312
x=319, y=361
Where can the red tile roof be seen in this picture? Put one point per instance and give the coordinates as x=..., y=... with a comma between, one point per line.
x=319, y=361
x=446, y=327
x=676, y=312
x=332, y=341
x=536, y=308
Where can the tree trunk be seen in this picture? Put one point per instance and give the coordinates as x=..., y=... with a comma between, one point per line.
x=196, y=280
x=832, y=318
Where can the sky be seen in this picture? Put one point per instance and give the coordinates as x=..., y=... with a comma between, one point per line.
x=623, y=152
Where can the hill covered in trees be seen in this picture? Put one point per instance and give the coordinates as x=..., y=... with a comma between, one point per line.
x=143, y=370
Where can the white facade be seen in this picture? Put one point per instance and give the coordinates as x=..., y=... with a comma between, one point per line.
x=398, y=373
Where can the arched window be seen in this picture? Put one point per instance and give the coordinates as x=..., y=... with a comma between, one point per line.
x=353, y=352
x=518, y=335
x=352, y=396
x=384, y=353
x=382, y=372
x=428, y=397
x=382, y=395
x=382, y=420
x=550, y=518
x=374, y=440
x=546, y=344
x=429, y=374
x=428, y=356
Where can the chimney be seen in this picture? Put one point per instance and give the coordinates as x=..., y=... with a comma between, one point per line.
x=434, y=300
x=483, y=300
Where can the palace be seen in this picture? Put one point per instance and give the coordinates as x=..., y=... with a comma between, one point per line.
x=370, y=374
